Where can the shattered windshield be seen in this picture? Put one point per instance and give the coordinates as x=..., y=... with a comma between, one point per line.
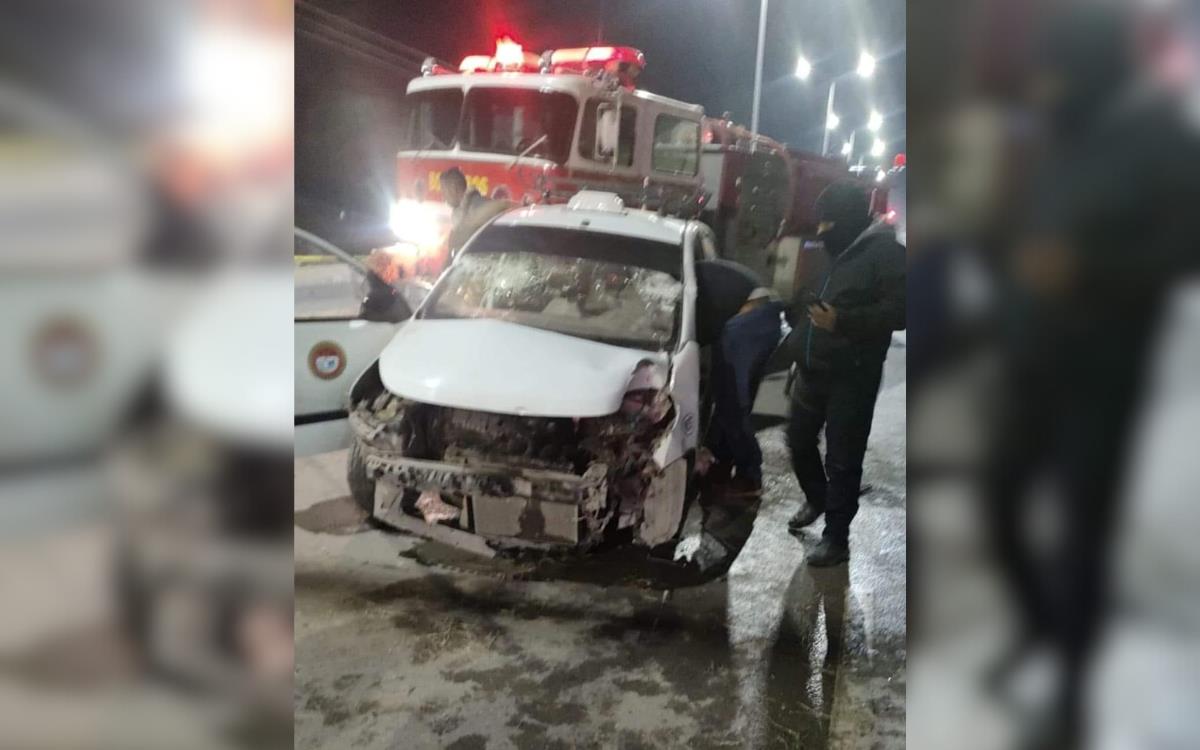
x=609, y=288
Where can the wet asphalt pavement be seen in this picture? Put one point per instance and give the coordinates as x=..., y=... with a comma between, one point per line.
x=394, y=652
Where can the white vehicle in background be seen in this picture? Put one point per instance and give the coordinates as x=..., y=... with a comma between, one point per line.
x=345, y=313
x=547, y=393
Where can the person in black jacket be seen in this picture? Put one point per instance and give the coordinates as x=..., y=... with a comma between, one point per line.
x=841, y=340
x=740, y=319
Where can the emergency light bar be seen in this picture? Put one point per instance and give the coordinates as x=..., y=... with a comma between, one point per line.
x=509, y=57
x=626, y=63
x=623, y=63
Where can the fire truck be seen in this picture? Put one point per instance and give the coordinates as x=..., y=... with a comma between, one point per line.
x=532, y=128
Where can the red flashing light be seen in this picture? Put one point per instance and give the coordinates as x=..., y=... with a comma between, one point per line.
x=625, y=63
x=509, y=54
x=598, y=54
x=900, y=161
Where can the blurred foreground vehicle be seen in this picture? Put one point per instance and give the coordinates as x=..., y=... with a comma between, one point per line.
x=547, y=395
x=73, y=323
x=203, y=481
x=146, y=474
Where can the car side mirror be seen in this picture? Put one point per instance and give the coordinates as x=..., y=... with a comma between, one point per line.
x=608, y=126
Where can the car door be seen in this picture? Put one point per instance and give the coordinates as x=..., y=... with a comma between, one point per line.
x=333, y=341
x=685, y=362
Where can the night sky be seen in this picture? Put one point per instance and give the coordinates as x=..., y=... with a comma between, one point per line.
x=699, y=51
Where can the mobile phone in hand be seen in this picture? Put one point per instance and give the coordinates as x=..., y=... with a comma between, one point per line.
x=809, y=298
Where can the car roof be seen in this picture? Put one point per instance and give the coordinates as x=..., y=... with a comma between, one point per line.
x=630, y=222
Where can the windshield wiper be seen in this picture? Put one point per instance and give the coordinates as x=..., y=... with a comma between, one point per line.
x=531, y=147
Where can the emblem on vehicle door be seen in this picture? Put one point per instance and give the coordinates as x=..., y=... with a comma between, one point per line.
x=326, y=360
x=65, y=352
x=689, y=424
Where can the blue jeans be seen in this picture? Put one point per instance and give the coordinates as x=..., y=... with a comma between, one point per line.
x=739, y=360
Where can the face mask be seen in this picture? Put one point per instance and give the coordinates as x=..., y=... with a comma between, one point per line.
x=837, y=239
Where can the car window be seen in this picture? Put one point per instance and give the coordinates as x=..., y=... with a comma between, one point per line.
x=432, y=119
x=336, y=285
x=626, y=138
x=676, y=145
x=610, y=288
x=519, y=121
x=326, y=287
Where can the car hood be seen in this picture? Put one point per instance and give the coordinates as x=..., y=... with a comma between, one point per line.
x=496, y=366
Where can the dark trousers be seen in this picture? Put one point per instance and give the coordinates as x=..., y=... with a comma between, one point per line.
x=844, y=404
x=1068, y=414
x=739, y=360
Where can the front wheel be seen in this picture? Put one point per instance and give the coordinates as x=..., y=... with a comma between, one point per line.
x=362, y=485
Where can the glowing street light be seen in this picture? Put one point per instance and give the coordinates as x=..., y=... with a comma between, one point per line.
x=878, y=148
x=866, y=65
x=832, y=122
x=880, y=175
x=847, y=148
x=875, y=121
x=803, y=68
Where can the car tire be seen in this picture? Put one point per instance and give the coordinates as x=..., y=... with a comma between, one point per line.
x=362, y=486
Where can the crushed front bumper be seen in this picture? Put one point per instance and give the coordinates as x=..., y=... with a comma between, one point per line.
x=497, y=501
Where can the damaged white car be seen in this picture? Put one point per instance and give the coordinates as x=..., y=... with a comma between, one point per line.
x=547, y=392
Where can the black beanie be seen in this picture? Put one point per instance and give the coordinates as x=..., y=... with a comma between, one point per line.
x=846, y=205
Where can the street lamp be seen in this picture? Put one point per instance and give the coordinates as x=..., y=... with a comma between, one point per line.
x=758, y=66
x=832, y=121
x=877, y=148
x=866, y=69
x=866, y=65
x=803, y=68
x=847, y=149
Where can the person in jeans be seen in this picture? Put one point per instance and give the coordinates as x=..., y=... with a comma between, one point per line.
x=740, y=320
x=842, y=337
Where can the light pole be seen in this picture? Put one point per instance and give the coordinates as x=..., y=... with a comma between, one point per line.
x=831, y=119
x=865, y=69
x=758, y=66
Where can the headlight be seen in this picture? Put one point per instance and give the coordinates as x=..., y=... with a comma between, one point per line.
x=419, y=222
